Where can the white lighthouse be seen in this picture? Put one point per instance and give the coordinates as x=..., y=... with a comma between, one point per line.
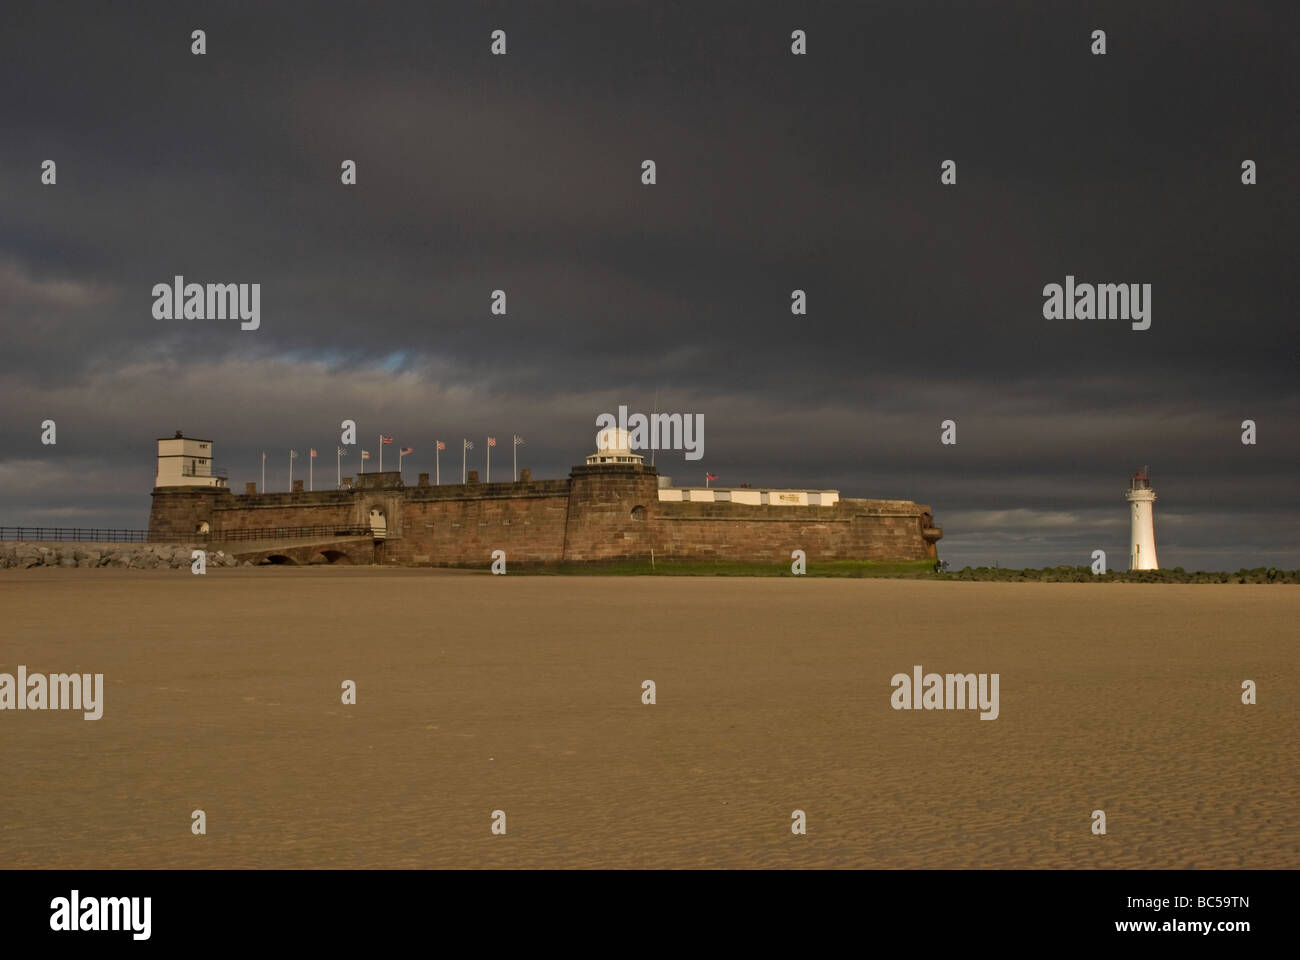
x=1142, y=552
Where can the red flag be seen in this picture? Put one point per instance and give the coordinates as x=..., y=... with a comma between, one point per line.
x=313, y=453
x=441, y=445
x=492, y=441
x=385, y=439
x=711, y=476
x=365, y=454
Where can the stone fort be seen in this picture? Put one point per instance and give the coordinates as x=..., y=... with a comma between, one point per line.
x=613, y=507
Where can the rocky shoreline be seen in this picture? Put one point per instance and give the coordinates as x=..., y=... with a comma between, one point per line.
x=138, y=556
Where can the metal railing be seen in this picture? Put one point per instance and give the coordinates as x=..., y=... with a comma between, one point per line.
x=83, y=534
x=112, y=535
x=290, y=533
x=211, y=470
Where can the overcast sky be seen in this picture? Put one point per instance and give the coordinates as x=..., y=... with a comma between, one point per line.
x=775, y=172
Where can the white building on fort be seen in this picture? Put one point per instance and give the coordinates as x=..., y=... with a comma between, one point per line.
x=613, y=446
x=186, y=462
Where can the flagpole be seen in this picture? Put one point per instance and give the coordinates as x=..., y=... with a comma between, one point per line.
x=464, y=445
x=489, y=461
x=311, y=470
x=437, y=468
x=514, y=457
x=381, y=453
x=264, y=471
x=291, y=471
x=654, y=446
x=338, y=460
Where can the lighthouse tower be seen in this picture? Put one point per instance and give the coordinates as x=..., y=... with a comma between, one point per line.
x=1142, y=552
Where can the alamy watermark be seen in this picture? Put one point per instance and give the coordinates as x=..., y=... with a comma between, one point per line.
x=58, y=691
x=77, y=913
x=1102, y=301
x=179, y=300
x=657, y=431
x=952, y=691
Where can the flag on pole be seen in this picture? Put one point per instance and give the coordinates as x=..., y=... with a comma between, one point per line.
x=708, y=477
x=492, y=441
x=342, y=452
x=293, y=454
x=515, y=455
x=385, y=439
x=313, y=453
x=365, y=454
x=407, y=450
x=441, y=445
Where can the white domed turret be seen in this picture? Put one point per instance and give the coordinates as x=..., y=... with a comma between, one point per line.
x=614, y=446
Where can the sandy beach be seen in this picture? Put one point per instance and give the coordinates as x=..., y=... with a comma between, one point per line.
x=524, y=694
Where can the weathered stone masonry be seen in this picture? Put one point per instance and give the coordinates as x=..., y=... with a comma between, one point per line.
x=600, y=512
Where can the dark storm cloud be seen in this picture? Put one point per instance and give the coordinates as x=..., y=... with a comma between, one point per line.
x=775, y=172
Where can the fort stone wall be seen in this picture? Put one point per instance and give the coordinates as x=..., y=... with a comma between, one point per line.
x=878, y=530
x=461, y=524
x=600, y=512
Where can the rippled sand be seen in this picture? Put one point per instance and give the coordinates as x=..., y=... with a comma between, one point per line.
x=478, y=693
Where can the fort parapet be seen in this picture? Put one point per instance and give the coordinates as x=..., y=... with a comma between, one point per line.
x=601, y=511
